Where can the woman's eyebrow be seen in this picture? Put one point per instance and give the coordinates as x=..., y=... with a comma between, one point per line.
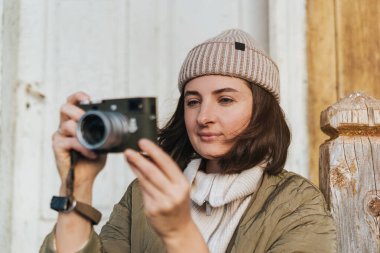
x=191, y=92
x=224, y=90
x=218, y=91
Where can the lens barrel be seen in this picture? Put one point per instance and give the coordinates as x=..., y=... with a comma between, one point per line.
x=102, y=131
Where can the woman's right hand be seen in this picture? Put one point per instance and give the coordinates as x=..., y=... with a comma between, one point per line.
x=64, y=140
x=72, y=230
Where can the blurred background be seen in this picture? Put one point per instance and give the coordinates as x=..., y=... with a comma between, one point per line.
x=325, y=49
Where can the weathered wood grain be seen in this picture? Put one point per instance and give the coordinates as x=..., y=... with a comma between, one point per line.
x=350, y=171
x=321, y=63
x=357, y=114
x=343, y=56
x=357, y=46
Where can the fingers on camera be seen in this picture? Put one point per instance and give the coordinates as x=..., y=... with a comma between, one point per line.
x=85, y=152
x=71, y=143
x=78, y=97
x=162, y=159
x=68, y=128
x=70, y=111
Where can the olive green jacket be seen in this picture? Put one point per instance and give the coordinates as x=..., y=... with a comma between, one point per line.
x=286, y=214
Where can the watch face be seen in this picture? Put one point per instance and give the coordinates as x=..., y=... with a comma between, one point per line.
x=59, y=203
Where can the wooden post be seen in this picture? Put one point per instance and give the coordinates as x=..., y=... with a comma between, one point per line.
x=349, y=172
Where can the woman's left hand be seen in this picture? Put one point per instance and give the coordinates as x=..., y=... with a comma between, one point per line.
x=164, y=187
x=166, y=196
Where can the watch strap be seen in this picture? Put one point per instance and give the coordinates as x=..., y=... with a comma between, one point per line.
x=68, y=203
x=88, y=212
x=65, y=205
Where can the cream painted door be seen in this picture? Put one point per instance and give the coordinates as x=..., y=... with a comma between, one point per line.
x=107, y=48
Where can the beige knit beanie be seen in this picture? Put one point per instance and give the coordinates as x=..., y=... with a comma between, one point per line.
x=231, y=53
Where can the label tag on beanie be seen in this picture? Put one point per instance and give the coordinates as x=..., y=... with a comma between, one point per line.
x=239, y=46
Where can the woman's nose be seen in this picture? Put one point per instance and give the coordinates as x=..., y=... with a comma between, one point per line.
x=206, y=115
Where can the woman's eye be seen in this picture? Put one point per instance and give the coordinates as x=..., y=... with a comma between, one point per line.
x=225, y=100
x=191, y=103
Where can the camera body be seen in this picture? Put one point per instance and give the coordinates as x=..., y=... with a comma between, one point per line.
x=113, y=125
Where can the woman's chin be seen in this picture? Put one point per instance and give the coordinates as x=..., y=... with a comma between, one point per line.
x=212, y=151
x=211, y=155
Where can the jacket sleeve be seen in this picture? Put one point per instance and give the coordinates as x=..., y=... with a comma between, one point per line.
x=308, y=227
x=114, y=236
x=93, y=244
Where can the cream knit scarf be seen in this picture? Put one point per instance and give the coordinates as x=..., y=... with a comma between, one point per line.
x=219, y=201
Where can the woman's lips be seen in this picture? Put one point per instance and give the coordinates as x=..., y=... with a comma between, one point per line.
x=208, y=137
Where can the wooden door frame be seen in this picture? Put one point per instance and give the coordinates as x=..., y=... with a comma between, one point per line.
x=287, y=39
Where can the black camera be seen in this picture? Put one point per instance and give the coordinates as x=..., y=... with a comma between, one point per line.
x=113, y=125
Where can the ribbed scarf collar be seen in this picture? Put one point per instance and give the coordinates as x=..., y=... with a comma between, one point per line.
x=220, y=189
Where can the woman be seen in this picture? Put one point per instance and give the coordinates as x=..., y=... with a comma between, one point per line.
x=229, y=137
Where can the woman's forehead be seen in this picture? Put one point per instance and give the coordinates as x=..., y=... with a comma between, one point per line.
x=216, y=82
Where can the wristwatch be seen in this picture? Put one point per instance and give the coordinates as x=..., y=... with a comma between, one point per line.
x=65, y=205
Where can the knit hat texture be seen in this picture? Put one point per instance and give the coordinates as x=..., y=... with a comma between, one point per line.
x=232, y=53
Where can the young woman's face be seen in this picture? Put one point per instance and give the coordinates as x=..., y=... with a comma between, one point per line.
x=217, y=108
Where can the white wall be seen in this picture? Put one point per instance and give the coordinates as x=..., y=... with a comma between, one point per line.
x=108, y=48
x=8, y=83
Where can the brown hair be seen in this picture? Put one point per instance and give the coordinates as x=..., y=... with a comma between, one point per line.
x=266, y=138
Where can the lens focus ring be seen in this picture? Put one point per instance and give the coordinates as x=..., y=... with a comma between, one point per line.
x=98, y=130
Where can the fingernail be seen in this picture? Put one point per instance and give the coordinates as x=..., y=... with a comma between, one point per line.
x=129, y=152
x=144, y=142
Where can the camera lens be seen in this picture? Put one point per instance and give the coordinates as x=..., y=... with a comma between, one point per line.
x=99, y=130
x=93, y=129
